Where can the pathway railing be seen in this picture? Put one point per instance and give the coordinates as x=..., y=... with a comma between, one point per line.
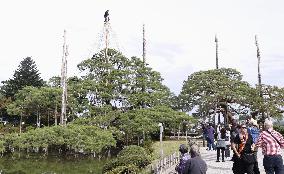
x=165, y=163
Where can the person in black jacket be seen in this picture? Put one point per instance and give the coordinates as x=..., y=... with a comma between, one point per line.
x=195, y=165
x=243, y=158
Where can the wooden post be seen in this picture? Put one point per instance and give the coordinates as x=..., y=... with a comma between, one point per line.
x=217, y=59
x=259, y=76
x=63, y=117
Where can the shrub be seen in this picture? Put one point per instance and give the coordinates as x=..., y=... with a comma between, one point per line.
x=124, y=169
x=127, y=158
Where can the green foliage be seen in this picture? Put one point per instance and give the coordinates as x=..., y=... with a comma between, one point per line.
x=144, y=122
x=272, y=103
x=124, y=169
x=39, y=102
x=2, y=147
x=129, y=159
x=204, y=89
x=146, y=88
x=122, y=81
x=279, y=128
x=89, y=139
x=26, y=75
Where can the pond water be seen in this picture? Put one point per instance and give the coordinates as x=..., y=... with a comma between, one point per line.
x=50, y=165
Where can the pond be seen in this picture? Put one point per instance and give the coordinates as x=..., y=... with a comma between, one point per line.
x=50, y=165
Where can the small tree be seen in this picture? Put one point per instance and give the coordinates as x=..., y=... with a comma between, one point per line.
x=26, y=75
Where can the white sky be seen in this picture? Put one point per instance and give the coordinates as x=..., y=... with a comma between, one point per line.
x=180, y=35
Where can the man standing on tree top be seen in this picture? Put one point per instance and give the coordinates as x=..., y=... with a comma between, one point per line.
x=106, y=16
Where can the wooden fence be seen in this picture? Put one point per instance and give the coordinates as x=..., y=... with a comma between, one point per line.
x=163, y=165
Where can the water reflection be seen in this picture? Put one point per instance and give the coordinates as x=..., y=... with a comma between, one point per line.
x=50, y=165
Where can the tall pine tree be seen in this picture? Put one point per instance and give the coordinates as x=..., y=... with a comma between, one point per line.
x=26, y=75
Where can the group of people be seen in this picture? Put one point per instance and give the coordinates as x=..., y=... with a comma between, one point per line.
x=244, y=140
x=246, y=143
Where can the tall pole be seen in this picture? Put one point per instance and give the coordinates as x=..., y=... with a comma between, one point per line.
x=106, y=40
x=144, y=65
x=217, y=67
x=144, y=46
x=106, y=33
x=63, y=117
x=216, y=42
x=161, y=140
x=258, y=65
x=258, y=73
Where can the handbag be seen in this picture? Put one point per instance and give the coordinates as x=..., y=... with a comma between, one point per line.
x=221, y=143
x=248, y=158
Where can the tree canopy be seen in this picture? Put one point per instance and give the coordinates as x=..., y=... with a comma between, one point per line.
x=205, y=89
x=26, y=75
x=123, y=82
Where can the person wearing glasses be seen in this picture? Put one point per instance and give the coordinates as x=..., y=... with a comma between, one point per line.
x=243, y=147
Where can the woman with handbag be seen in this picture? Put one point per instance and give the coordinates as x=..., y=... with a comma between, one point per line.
x=221, y=144
x=244, y=157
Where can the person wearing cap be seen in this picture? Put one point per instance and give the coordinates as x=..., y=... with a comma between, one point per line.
x=271, y=143
x=253, y=130
x=184, y=157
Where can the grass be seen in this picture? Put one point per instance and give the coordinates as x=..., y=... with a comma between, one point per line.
x=169, y=147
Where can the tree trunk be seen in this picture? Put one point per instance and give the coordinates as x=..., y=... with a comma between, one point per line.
x=37, y=119
x=48, y=118
x=178, y=131
x=55, y=115
x=21, y=120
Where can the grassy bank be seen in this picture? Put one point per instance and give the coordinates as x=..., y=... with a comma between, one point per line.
x=169, y=147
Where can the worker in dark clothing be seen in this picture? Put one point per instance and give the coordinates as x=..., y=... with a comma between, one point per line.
x=106, y=16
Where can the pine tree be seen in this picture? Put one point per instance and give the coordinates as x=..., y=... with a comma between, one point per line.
x=26, y=75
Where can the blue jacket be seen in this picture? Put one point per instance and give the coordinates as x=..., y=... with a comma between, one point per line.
x=254, y=132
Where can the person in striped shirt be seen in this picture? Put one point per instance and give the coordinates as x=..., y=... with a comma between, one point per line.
x=271, y=143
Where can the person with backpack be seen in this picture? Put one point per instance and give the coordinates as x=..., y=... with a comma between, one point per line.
x=271, y=143
x=184, y=157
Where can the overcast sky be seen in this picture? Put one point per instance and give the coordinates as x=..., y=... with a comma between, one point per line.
x=180, y=35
